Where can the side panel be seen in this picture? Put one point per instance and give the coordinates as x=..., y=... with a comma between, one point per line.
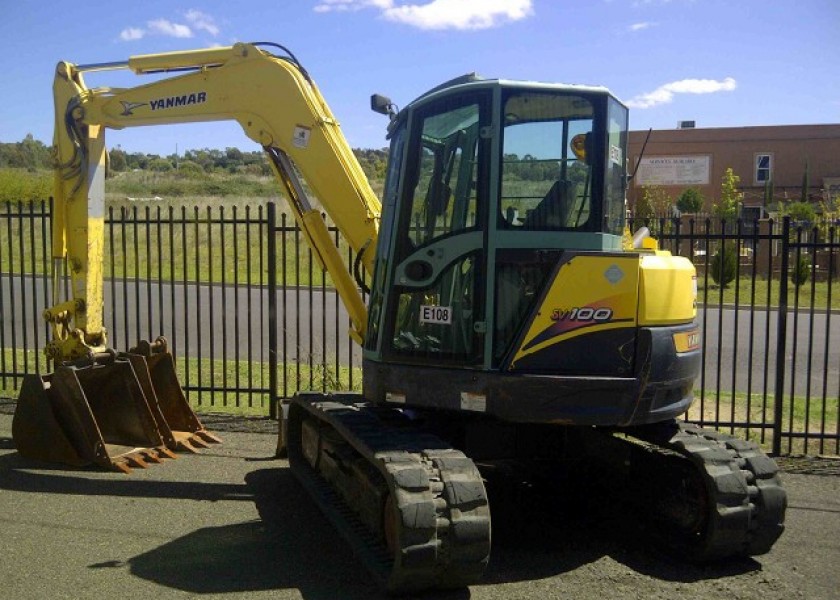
x=586, y=321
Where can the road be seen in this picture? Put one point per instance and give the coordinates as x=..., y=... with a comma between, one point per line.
x=233, y=523
x=211, y=321
x=200, y=320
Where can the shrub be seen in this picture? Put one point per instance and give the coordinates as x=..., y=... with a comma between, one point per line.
x=801, y=270
x=724, y=265
x=22, y=185
x=690, y=201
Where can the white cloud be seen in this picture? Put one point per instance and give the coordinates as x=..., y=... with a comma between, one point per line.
x=440, y=14
x=130, y=34
x=641, y=26
x=340, y=5
x=197, y=21
x=168, y=28
x=665, y=93
x=202, y=21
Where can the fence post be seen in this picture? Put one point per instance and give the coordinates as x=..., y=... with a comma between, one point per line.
x=781, y=340
x=271, y=262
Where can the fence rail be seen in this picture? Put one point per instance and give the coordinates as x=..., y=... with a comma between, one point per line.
x=251, y=317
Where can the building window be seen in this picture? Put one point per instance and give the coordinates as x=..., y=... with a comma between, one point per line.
x=763, y=168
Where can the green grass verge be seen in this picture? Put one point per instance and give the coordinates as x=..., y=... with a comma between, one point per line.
x=762, y=293
x=814, y=416
x=212, y=376
x=207, y=240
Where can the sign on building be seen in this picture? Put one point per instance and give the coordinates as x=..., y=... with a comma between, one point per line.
x=673, y=170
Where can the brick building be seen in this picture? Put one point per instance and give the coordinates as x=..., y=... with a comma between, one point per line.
x=698, y=157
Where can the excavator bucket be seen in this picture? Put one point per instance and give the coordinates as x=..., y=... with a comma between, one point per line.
x=88, y=412
x=116, y=411
x=179, y=425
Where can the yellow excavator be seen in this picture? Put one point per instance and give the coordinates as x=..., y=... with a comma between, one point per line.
x=511, y=315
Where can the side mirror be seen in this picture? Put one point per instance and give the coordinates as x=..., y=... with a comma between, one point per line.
x=382, y=105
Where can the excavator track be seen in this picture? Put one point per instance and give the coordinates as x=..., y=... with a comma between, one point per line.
x=713, y=496
x=413, y=509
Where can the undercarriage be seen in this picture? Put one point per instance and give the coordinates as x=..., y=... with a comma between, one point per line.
x=406, y=489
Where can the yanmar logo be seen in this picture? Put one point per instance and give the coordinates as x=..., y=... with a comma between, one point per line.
x=176, y=101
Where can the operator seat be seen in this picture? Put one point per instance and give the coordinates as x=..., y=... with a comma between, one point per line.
x=553, y=210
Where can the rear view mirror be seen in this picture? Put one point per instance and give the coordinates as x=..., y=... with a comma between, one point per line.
x=382, y=105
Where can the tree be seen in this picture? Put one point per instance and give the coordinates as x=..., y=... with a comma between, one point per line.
x=729, y=205
x=643, y=208
x=118, y=159
x=769, y=193
x=655, y=201
x=690, y=201
x=802, y=212
x=29, y=153
x=830, y=212
x=160, y=164
x=801, y=270
x=189, y=168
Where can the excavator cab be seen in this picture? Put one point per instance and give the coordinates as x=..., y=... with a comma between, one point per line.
x=507, y=257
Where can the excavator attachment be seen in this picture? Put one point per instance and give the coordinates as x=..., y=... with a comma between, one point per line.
x=116, y=411
x=87, y=412
x=179, y=425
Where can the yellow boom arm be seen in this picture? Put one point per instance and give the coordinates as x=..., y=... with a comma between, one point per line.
x=277, y=105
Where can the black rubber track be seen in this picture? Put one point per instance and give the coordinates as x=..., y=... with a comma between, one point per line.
x=443, y=524
x=745, y=502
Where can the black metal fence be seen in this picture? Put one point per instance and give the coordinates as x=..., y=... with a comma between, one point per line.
x=251, y=317
x=247, y=311
x=768, y=312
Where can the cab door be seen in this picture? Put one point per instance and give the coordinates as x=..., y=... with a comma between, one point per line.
x=436, y=313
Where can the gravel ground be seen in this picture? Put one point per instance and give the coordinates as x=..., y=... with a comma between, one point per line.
x=233, y=522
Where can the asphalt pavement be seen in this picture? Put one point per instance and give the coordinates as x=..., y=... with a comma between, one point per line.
x=233, y=522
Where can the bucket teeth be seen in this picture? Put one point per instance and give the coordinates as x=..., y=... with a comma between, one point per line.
x=197, y=441
x=121, y=466
x=166, y=453
x=152, y=456
x=185, y=445
x=136, y=460
x=208, y=437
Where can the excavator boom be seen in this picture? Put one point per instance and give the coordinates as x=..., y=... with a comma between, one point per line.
x=278, y=106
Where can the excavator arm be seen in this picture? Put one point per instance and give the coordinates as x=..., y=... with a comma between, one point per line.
x=123, y=410
x=278, y=106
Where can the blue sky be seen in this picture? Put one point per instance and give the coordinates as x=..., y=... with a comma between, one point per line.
x=717, y=62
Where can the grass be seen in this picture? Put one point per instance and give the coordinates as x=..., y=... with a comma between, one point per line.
x=205, y=382
x=210, y=228
x=761, y=293
x=213, y=376
x=813, y=416
x=205, y=240
x=187, y=241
